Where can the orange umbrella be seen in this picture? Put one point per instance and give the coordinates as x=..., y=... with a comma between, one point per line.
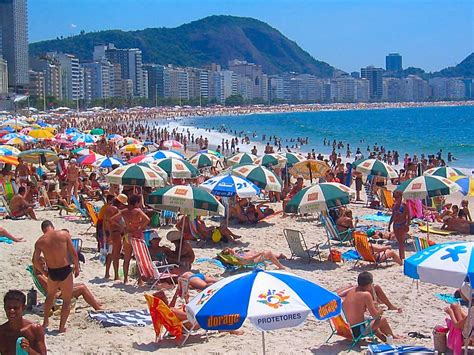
x=9, y=159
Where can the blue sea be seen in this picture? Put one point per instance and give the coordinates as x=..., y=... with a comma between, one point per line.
x=408, y=130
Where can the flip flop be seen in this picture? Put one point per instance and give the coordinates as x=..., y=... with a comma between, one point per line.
x=418, y=335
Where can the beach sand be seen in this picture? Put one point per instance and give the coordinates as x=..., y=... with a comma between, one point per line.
x=421, y=309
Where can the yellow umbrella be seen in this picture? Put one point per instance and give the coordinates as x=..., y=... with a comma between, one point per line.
x=133, y=148
x=9, y=159
x=41, y=134
x=310, y=169
x=16, y=141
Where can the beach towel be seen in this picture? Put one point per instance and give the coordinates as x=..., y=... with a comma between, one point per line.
x=397, y=349
x=210, y=260
x=455, y=340
x=351, y=254
x=375, y=217
x=6, y=240
x=133, y=318
x=415, y=208
x=446, y=297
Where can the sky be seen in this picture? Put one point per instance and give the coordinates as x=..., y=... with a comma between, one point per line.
x=347, y=34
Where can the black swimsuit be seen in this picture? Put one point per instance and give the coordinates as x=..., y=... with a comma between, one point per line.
x=59, y=274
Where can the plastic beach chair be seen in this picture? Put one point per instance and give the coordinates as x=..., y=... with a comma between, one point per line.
x=37, y=283
x=333, y=233
x=421, y=243
x=340, y=327
x=298, y=247
x=92, y=214
x=82, y=211
x=365, y=250
x=148, y=269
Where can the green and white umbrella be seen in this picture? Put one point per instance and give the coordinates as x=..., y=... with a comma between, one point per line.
x=262, y=177
x=444, y=171
x=319, y=197
x=423, y=187
x=271, y=160
x=375, y=167
x=178, y=168
x=241, y=158
x=134, y=174
x=293, y=158
x=156, y=168
x=38, y=156
x=203, y=160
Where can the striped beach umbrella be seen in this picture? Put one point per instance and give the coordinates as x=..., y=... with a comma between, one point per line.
x=262, y=177
x=423, y=187
x=8, y=159
x=134, y=174
x=230, y=185
x=293, y=158
x=83, y=139
x=114, y=137
x=41, y=134
x=241, y=159
x=189, y=200
x=82, y=151
x=89, y=159
x=310, y=169
x=16, y=141
x=97, y=131
x=178, y=168
x=156, y=168
x=129, y=140
x=210, y=151
x=465, y=183
x=8, y=150
x=107, y=162
x=172, y=144
x=271, y=160
x=319, y=197
x=444, y=171
x=203, y=160
x=38, y=156
x=374, y=167
x=163, y=154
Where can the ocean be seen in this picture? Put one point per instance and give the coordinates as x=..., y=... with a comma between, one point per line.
x=408, y=130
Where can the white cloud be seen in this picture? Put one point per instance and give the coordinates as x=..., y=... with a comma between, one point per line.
x=73, y=25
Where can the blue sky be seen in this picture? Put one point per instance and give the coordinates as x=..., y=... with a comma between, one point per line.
x=431, y=34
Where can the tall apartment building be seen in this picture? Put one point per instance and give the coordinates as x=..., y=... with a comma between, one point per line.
x=3, y=76
x=253, y=72
x=343, y=89
x=51, y=70
x=228, y=84
x=362, y=90
x=415, y=89
x=131, y=65
x=447, y=88
x=37, y=85
x=374, y=76
x=392, y=89
x=14, y=42
x=155, y=81
x=175, y=83
x=102, y=79
x=393, y=62
x=70, y=75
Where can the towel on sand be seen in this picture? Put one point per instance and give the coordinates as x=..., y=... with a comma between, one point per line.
x=132, y=318
x=376, y=217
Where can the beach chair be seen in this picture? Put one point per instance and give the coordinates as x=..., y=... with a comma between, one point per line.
x=6, y=206
x=233, y=263
x=163, y=317
x=387, y=194
x=365, y=250
x=147, y=268
x=421, y=243
x=37, y=283
x=298, y=247
x=81, y=210
x=333, y=233
x=183, y=289
x=168, y=217
x=370, y=192
x=340, y=327
x=93, y=215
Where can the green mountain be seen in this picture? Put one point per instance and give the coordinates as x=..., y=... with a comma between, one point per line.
x=214, y=39
x=463, y=69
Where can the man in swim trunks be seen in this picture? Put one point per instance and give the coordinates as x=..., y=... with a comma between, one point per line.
x=16, y=326
x=459, y=225
x=56, y=248
x=357, y=302
x=20, y=207
x=401, y=222
x=22, y=173
x=72, y=179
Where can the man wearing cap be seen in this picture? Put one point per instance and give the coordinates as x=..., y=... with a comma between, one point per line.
x=187, y=252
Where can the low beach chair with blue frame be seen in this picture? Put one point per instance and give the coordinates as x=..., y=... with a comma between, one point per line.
x=339, y=326
x=82, y=210
x=332, y=233
x=298, y=247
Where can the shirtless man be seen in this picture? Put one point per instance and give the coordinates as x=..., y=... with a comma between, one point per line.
x=22, y=172
x=20, y=207
x=135, y=222
x=459, y=225
x=401, y=222
x=56, y=247
x=33, y=341
x=6, y=234
x=360, y=300
x=113, y=229
x=72, y=178
x=187, y=253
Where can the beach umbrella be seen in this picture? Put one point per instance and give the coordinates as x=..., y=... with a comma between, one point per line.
x=444, y=171
x=134, y=174
x=163, y=154
x=465, y=183
x=72, y=130
x=230, y=185
x=82, y=151
x=38, y=156
x=203, y=160
x=7, y=150
x=172, y=144
x=156, y=168
x=83, y=138
x=178, y=168
x=270, y=300
x=271, y=160
x=97, y=131
x=89, y=159
x=210, y=151
x=13, y=135
x=41, y=134
x=114, y=137
x=423, y=187
x=310, y=169
x=8, y=129
x=319, y=197
x=262, y=177
x=241, y=159
x=130, y=140
x=375, y=167
x=16, y=141
x=107, y=162
x=8, y=159
x=133, y=148
x=293, y=158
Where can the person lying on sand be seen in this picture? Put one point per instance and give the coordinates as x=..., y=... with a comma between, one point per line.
x=250, y=256
x=6, y=234
x=358, y=301
x=33, y=341
x=459, y=225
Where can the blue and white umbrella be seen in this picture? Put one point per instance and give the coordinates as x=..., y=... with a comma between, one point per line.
x=163, y=154
x=83, y=138
x=230, y=185
x=108, y=162
x=446, y=264
x=268, y=299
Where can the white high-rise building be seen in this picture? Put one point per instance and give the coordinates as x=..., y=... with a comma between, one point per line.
x=70, y=75
x=3, y=76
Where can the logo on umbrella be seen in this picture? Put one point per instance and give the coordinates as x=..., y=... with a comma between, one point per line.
x=179, y=167
x=416, y=186
x=205, y=296
x=453, y=253
x=273, y=299
x=181, y=192
x=313, y=196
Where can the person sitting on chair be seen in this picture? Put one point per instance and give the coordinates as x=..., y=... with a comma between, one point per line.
x=20, y=207
x=249, y=256
x=227, y=234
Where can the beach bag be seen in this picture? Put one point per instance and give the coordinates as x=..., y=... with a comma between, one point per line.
x=216, y=235
x=440, y=338
x=335, y=256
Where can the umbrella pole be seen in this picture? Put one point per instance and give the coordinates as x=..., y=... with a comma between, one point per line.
x=181, y=243
x=310, y=174
x=263, y=343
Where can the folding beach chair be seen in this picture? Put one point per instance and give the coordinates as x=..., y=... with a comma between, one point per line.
x=233, y=263
x=365, y=250
x=6, y=206
x=369, y=192
x=37, y=283
x=163, y=317
x=183, y=289
x=388, y=198
x=421, y=243
x=93, y=215
x=81, y=210
x=333, y=233
x=147, y=268
x=340, y=327
x=298, y=247
x=168, y=217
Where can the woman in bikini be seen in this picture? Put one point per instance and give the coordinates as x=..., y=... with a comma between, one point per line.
x=401, y=222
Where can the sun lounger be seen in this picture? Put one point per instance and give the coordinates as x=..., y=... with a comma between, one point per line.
x=148, y=269
x=233, y=263
x=81, y=210
x=298, y=247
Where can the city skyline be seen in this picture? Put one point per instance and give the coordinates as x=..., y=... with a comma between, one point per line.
x=398, y=25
